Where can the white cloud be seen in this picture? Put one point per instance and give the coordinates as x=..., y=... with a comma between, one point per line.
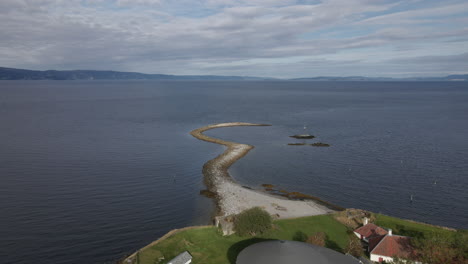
x=414, y=16
x=138, y=2
x=156, y=36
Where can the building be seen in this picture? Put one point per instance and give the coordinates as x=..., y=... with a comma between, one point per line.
x=280, y=252
x=382, y=245
x=182, y=258
x=373, y=242
x=369, y=230
x=391, y=246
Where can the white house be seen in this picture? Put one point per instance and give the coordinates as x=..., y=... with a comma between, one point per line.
x=383, y=245
x=182, y=258
x=391, y=246
x=369, y=230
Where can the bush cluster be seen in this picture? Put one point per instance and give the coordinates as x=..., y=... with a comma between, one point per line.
x=318, y=239
x=253, y=221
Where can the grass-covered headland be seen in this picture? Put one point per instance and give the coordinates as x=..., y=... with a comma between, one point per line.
x=208, y=246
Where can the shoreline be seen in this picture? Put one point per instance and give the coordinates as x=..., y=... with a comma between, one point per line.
x=132, y=257
x=232, y=198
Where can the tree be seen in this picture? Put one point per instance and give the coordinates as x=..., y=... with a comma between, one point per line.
x=317, y=239
x=354, y=246
x=252, y=222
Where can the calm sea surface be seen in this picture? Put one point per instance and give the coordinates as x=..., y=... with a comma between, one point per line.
x=93, y=170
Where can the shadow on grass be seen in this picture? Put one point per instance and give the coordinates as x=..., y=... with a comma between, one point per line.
x=403, y=230
x=332, y=245
x=235, y=249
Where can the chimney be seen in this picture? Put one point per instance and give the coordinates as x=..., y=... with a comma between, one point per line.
x=366, y=221
x=390, y=232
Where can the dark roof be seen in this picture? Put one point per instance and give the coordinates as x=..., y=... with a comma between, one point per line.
x=280, y=252
x=371, y=230
x=395, y=246
x=182, y=258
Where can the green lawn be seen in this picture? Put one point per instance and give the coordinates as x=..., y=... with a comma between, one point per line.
x=436, y=244
x=410, y=228
x=208, y=246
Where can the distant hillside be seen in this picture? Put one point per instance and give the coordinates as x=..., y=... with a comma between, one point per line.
x=20, y=74
x=460, y=77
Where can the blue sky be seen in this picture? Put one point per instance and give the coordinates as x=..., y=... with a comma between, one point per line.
x=276, y=38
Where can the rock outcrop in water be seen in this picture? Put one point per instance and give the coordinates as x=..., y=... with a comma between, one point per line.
x=304, y=136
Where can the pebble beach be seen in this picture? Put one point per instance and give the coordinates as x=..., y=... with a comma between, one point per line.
x=231, y=197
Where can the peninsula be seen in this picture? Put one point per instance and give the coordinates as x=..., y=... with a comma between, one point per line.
x=307, y=221
x=232, y=198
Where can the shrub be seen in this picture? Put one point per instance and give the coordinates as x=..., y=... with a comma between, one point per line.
x=252, y=222
x=300, y=236
x=438, y=248
x=317, y=239
x=354, y=246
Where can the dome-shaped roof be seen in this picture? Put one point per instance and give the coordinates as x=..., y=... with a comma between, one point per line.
x=288, y=252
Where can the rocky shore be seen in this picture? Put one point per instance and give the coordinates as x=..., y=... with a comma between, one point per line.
x=232, y=198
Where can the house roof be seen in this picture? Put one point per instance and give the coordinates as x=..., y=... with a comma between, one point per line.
x=394, y=246
x=280, y=252
x=373, y=241
x=182, y=258
x=371, y=230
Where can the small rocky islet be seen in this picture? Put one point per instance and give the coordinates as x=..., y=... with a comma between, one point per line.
x=307, y=136
x=320, y=144
x=303, y=136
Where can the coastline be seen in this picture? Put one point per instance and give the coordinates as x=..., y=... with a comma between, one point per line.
x=133, y=256
x=232, y=198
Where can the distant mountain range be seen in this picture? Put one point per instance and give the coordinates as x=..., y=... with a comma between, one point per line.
x=21, y=74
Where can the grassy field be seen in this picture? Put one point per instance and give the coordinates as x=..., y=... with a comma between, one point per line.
x=208, y=246
x=410, y=228
x=435, y=244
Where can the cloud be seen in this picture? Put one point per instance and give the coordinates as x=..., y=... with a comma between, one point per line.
x=441, y=59
x=138, y=2
x=212, y=37
x=415, y=16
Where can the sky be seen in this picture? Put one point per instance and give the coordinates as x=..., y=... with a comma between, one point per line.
x=269, y=38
